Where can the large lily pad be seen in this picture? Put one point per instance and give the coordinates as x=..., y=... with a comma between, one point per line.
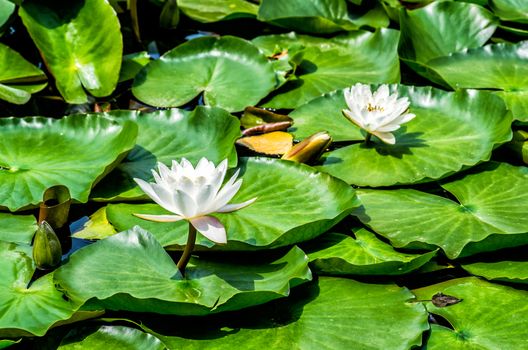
x=450, y=131
x=507, y=271
x=17, y=228
x=132, y=271
x=230, y=73
x=492, y=200
x=294, y=203
x=338, y=254
x=217, y=10
x=329, y=64
x=333, y=313
x=205, y=132
x=18, y=78
x=441, y=28
x=81, y=53
x=488, y=317
x=320, y=16
x=28, y=309
x=38, y=153
x=511, y=10
x=500, y=66
x=7, y=8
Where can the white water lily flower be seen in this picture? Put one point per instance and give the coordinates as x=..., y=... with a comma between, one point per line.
x=193, y=193
x=378, y=114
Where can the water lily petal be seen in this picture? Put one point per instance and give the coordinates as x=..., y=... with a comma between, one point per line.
x=185, y=204
x=147, y=188
x=211, y=228
x=232, y=207
x=159, y=218
x=386, y=137
x=227, y=193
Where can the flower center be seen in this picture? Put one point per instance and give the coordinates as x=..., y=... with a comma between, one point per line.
x=372, y=108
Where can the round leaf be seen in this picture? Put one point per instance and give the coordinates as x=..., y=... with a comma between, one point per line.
x=294, y=203
x=433, y=145
x=17, y=228
x=491, y=200
x=489, y=316
x=205, y=132
x=507, y=271
x=329, y=64
x=24, y=308
x=18, y=77
x=320, y=16
x=230, y=72
x=81, y=44
x=338, y=254
x=38, y=153
x=217, y=10
x=156, y=285
x=511, y=10
x=331, y=314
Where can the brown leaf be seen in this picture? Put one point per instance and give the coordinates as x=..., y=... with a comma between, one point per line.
x=273, y=143
x=443, y=300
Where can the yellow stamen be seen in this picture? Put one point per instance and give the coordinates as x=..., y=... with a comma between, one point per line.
x=372, y=108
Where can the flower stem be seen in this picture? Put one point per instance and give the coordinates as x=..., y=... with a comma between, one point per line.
x=189, y=247
x=367, y=138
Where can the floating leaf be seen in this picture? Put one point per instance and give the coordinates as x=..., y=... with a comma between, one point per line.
x=80, y=52
x=217, y=10
x=507, y=271
x=433, y=145
x=492, y=200
x=333, y=313
x=7, y=8
x=338, y=254
x=511, y=10
x=294, y=203
x=110, y=337
x=74, y=151
x=320, y=16
x=17, y=228
x=496, y=66
x=230, y=72
x=273, y=143
x=205, y=132
x=330, y=64
x=38, y=306
x=156, y=284
x=488, y=317
x=18, y=78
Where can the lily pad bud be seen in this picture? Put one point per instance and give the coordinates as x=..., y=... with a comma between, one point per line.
x=309, y=149
x=47, y=250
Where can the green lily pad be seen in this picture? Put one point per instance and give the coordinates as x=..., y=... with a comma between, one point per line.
x=110, y=337
x=205, y=132
x=320, y=16
x=451, y=130
x=333, y=313
x=501, y=66
x=330, y=64
x=5, y=343
x=80, y=52
x=488, y=317
x=294, y=203
x=38, y=153
x=97, y=227
x=206, y=11
x=17, y=228
x=511, y=10
x=507, y=271
x=492, y=200
x=28, y=310
x=442, y=28
x=338, y=254
x=138, y=275
x=230, y=73
x=18, y=78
